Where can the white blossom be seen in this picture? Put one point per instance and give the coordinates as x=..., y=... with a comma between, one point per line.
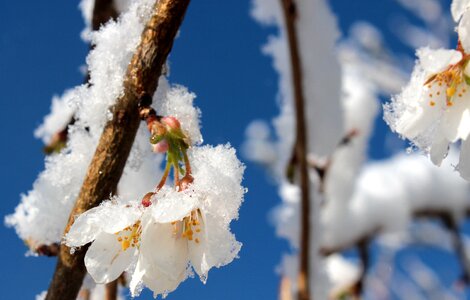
x=114, y=228
x=434, y=109
x=181, y=228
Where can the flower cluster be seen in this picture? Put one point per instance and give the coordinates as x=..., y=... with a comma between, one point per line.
x=173, y=229
x=434, y=109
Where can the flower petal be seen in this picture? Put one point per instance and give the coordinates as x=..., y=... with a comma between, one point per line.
x=464, y=31
x=455, y=120
x=437, y=60
x=159, y=282
x=163, y=249
x=439, y=149
x=458, y=7
x=119, y=216
x=464, y=160
x=105, y=260
x=137, y=277
x=109, y=217
x=217, y=247
x=171, y=205
x=197, y=252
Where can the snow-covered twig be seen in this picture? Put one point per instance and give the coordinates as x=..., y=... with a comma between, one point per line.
x=118, y=135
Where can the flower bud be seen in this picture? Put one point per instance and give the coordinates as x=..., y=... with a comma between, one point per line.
x=171, y=122
x=160, y=147
x=147, y=199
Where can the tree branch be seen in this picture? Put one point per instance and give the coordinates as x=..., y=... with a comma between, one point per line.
x=111, y=290
x=118, y=135
x=290, y=15
x=103, y=11
x=459, y=245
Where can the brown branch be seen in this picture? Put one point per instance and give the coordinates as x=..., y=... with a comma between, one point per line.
x=290, y=15
x=118, y=135
x=47, y=250
x=103, y=11
x=111, y=290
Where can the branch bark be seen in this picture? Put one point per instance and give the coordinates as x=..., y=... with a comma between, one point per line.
x=118, y=135
x=111, y=290
x=290, y=16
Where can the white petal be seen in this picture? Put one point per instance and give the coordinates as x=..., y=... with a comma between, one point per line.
x=105, y=260
x=85, y=228
x=435, y=61
x=416, y=120
x=109, y=217
x=218, y=248
x=171, y=206
x=159, y=282
x=137, y=277
x=197, y=252
x=458, y=7
x=161, y=248
x=439, y=149
x=455, y=120
x=119, y=216
x=464, y=160
x=464, y=31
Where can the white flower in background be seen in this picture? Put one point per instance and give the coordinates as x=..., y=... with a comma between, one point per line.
x=434, y=109
x=115, y=230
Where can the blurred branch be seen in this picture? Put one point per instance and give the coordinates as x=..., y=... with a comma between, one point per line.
x=118, y=135
x=459, y=245
x=363, y=249
x=285, y=289
x=111, y=290
x=290, y=16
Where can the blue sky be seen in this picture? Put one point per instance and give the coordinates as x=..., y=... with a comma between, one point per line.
x=217, y=56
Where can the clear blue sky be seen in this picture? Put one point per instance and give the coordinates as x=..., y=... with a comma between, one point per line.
x=218, y=57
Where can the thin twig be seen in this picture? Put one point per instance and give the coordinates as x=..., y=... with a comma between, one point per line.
x=290, y=15
x=118, y=135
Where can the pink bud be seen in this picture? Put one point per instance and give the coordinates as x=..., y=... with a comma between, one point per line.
x=147, y=199
x=161, y=147
x=171, y=122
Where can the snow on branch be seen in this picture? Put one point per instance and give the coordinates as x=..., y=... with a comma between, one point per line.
x=118, y=135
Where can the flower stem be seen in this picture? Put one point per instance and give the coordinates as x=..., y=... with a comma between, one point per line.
x=164, y=177
x=176, y=173
x=187, y=165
